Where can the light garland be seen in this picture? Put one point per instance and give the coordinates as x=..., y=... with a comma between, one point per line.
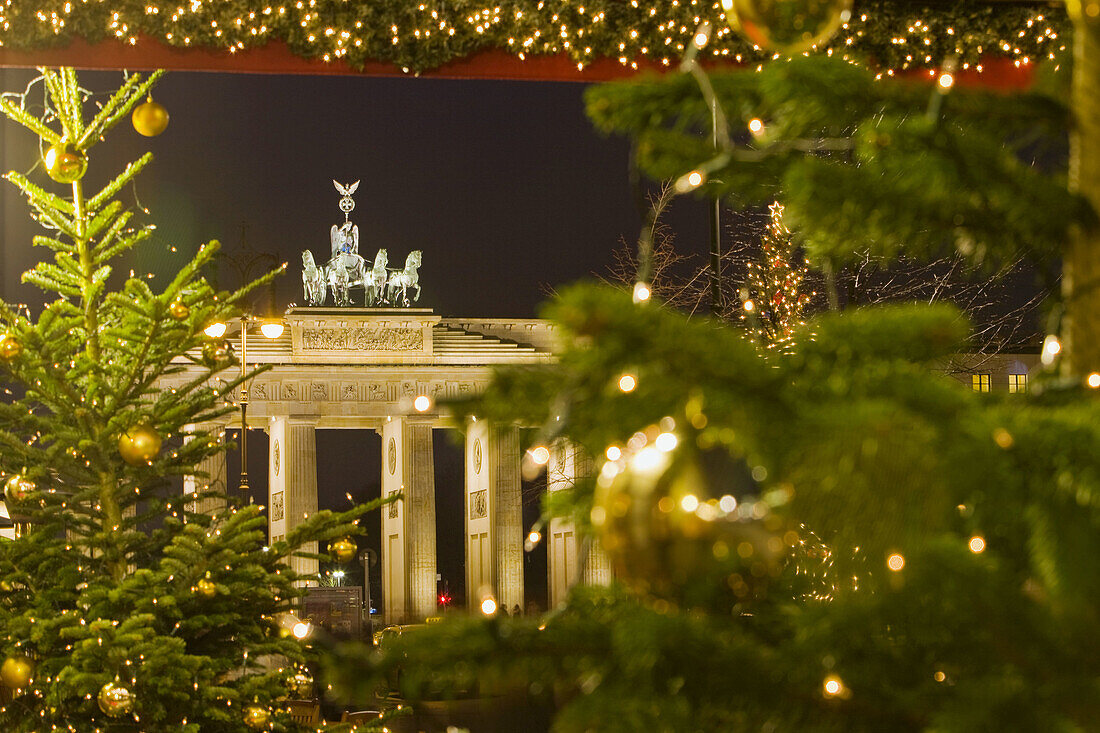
x=419, y=37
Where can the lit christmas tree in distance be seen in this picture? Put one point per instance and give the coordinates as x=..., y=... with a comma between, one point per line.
x=774, y=304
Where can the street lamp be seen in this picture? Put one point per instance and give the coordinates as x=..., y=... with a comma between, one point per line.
x=272, y=328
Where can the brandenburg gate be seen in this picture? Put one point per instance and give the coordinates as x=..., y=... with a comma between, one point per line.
x=363, y=368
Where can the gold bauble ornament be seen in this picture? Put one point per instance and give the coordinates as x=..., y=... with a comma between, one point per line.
x=669, y=522
x=787, y=26
x=178, y=310
x=139, y=445
x=343, y=549
x=216, y=353
x=17, y=488
x=256, y=717
x=206, y=587
x=10, y=347
x=16, y=672
x=115, y=700
x=64, y=163
x=301, y=684
x=150, y=118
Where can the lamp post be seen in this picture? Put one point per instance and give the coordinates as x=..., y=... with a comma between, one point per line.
x=244, y=262
x=272, y=329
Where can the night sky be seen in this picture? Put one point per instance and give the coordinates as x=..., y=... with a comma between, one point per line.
x=504, y=186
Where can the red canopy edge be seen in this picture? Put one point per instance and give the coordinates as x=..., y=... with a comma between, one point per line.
x=276, y=58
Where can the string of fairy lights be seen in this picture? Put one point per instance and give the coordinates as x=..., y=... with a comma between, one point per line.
x=898, y=35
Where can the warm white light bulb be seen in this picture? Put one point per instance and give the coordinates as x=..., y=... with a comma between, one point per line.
x=301, y=630
x=614, y=453
x=488, y=606
x=627, y=383
x=946, y=81
x=1093, y=380
x=1052, y=346
x=641, y=292
x=422, y=403
x=215, y=330
x=666, y=442
x=540, y=455
x=832, y=686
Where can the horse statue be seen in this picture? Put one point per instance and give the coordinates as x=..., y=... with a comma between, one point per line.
x=313, y=280
x=374, y=281
x=404, y=279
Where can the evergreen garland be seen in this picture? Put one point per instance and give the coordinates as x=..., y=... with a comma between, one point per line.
x=894, y=34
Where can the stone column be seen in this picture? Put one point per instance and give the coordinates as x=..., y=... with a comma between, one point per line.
x=210, y=471
x=408, y=525
x=568, y=463
x=292, y=482
x=494, y=516
x=479, y=549
x=507, y=516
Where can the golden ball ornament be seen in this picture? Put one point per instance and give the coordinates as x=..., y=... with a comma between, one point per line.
x=669, y=522
x=178, y=310
x=17, y=672
x=343, y=549
x=115, y=700
x=64, y=163
x=787, y=26
x=139, y=445
x=301, y=684
x=17, y=488
x=256, y=717
x=216, y=353
x=10, y=347
x=150, y=119
x=206, y=587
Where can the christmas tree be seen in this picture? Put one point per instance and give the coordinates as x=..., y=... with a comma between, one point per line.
x=123, y=608
x=844, y=539
x=773, y=302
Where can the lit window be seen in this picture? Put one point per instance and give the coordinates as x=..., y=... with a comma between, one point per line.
x=1017, y=383
x=980, y=382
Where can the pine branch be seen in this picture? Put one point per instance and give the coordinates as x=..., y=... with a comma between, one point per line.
x=112, y=188
x=29, y=121
x=120, y=105
x=40, y=198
